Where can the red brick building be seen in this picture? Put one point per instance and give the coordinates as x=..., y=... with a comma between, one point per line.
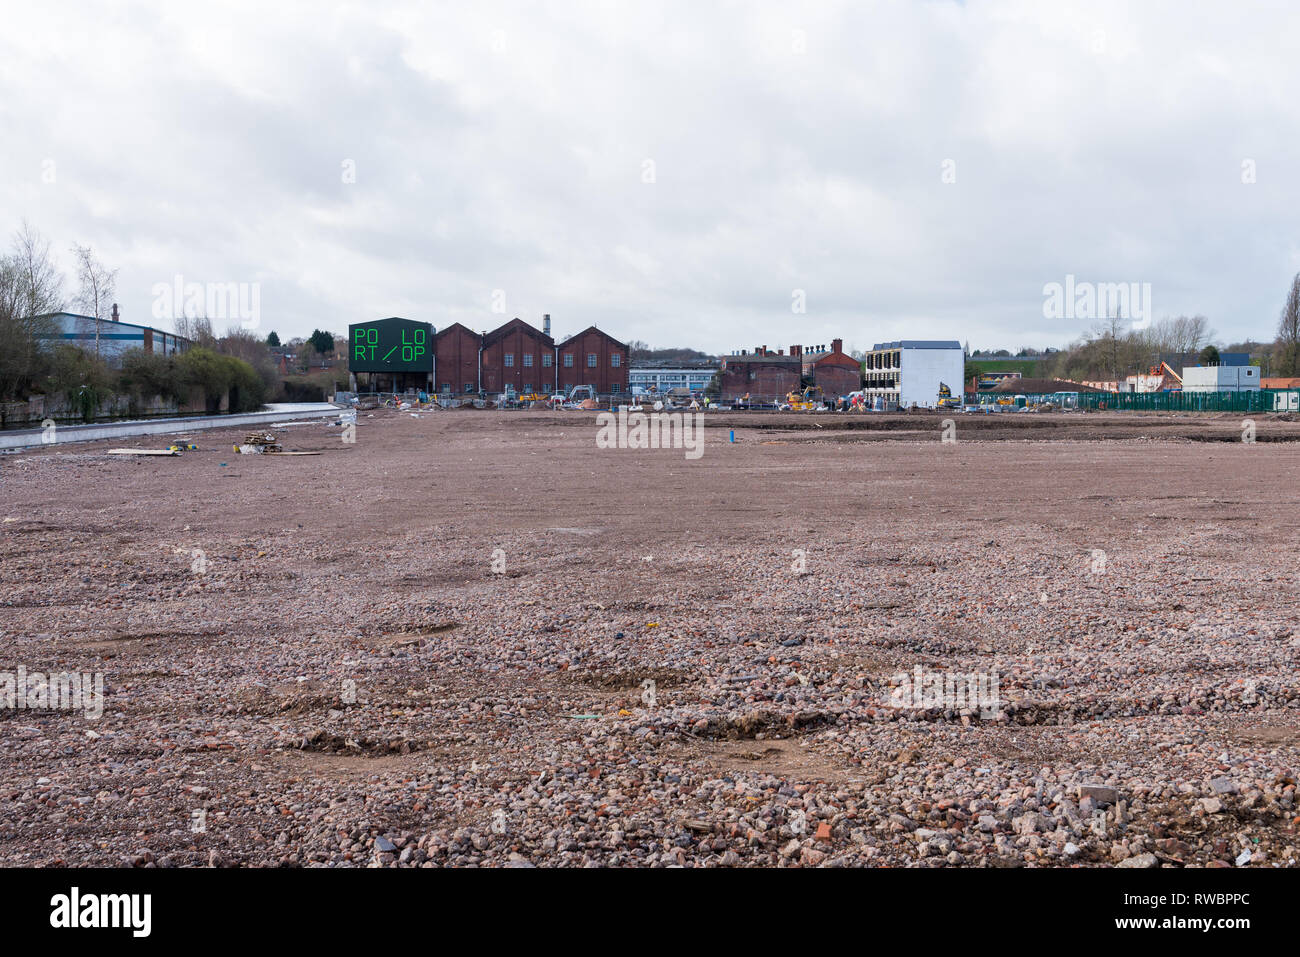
x=837, y=372
x=593, y=358
x=763, y=375
x=518, y=355
x=455, y=360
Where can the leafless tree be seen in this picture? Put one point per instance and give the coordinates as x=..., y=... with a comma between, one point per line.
x=1111, y=333
x=30, y=289
x=97, y=284
x=41, y=282
x=1287, y=348
x=198, y=329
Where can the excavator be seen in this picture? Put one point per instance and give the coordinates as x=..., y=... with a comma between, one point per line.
x=807, y=400
x=946, y=399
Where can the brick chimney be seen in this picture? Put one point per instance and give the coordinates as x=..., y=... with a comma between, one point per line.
x=837, y=345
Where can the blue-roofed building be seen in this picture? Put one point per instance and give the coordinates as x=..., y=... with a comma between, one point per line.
x=111, y=338
x=917, y=372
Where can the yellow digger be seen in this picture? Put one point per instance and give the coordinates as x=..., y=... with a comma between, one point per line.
x=946, y=399
x=805, y=401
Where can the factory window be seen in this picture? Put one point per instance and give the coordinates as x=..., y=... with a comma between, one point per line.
x=568, y=360
x=528, y=387
x=510, y=359
x=591, y=360
x=528, y=360
x=546, y=361
x=615, y=360
x=615, y=388
x=469, y=386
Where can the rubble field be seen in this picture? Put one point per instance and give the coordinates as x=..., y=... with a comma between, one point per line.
x=474, y=638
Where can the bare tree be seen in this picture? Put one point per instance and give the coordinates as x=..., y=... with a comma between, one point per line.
x=97, y=286
x=198, y=329
x=42, y=284
x=1110, y=333
x=30, y=289
x=1287, y=347
x=1199, y=333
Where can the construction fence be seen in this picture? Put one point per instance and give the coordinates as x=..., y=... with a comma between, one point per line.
x=1259, y=400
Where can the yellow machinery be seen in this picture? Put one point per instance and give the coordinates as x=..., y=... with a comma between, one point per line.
x=805, y=401
x=946, y=399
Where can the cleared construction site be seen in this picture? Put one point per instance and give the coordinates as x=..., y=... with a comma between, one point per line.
x=463, y=637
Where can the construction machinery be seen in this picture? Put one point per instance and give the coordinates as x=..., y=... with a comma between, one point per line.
x=807, y=400
x=946, y=399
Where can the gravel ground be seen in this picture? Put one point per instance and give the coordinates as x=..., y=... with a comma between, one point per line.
x=473, y=638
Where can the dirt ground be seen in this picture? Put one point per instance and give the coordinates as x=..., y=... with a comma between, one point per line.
x=476, y=638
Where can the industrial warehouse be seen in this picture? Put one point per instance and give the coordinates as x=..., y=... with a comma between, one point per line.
x=518, y=365
x=402, y=356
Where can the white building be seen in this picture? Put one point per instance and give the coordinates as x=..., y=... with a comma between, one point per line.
x=663, y=380
x=1221, y=378
x=912, y=371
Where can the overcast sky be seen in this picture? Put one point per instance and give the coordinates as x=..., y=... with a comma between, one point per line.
x=672, y=173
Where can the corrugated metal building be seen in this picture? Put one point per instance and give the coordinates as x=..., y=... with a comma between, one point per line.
x=111, y=338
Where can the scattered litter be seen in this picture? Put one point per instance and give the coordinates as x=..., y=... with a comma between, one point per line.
x=258, y=443
x=583, y=717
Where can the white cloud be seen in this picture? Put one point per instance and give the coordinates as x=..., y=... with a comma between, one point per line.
x=502, y=146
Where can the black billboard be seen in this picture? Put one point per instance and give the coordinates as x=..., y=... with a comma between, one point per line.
x=390, y=345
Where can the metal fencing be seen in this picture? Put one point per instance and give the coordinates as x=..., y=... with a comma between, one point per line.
x=1260, y=400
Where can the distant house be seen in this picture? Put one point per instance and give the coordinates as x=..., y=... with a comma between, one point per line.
x=111, y=338
x=763, y=375
x=835, y=372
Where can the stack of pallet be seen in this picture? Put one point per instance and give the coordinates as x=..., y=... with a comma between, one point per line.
x=255, y=443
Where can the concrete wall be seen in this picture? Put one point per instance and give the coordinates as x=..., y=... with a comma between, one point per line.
x=122, y=430
x=923, y=370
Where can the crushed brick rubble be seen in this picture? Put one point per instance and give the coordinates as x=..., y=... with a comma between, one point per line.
x=647, y=673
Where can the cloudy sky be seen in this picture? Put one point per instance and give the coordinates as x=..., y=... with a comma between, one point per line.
x=680, y=173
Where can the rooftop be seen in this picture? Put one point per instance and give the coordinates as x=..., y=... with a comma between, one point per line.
x=918, y=344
